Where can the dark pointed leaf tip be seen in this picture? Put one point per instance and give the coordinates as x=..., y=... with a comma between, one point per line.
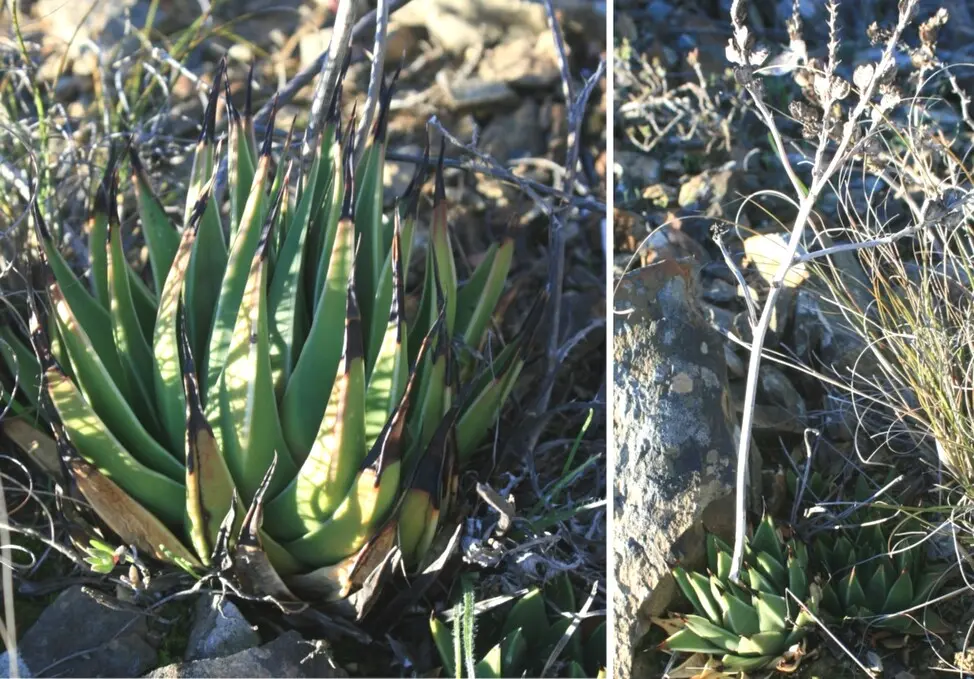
x=221, y=547
x=264, y=485
x=348, y=200
x=102, y=200
x=398, y=289
x=249, y=100
x=195, y=418
x=265, y=149
x=427, y=477
x=443, y=343
x=263, y=246
x=335, y=105
x=252, y=520
x=113, y=199
x=411, y=194
x=440, y=193
x=438, y=286
x=228, y=97
x=196, y=216
x=450, y=378
x=385, y=101
x=353, y=328
x=288, y=140
x=137, y=167
x=39, y=223
x=208, y=134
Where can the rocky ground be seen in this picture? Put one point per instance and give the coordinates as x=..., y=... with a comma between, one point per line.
x=688, y=150
x=488, y=71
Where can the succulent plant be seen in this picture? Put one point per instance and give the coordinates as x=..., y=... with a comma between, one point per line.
x=264, y=396
x=814, y=487
x=878, y=568
x=520, y=642
x=752, y=625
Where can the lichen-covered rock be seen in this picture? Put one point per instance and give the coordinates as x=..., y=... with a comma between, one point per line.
x=675, y=439
x=219, y=629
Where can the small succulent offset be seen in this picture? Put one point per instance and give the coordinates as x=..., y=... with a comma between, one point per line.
x=753, y=625
x=521, y=642
x=102, y=557
x=879, y=570
x=264, y=400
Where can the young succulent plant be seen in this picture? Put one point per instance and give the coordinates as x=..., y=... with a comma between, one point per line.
x=265, y=397
x=520, y=642
x=752, y=625
x=879, y=570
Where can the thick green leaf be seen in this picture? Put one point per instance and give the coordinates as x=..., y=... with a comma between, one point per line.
x=161, y=238
x=740, y=617
x=900, y=595
x=250, y=431
x=238, y=267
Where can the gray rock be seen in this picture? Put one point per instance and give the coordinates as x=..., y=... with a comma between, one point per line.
x=774, y=387
x=514, y=135
x=458, y=26
x=719, y=291
x=810, y=325
x=476, y=94
x=638, y=170
x=287, y=656
x=735, y=364
x=706, y=188
x=219, y=629
x=828, y=340
x=768, y=416
x=106, y=642
x=524, y=62
x=76, y=22
x=675, y=433
x=659, y=10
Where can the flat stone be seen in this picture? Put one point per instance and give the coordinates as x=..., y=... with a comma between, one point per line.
x=765, y=253
x=113, y=641
x=670, y=242
x=719, y=291
x=74, y=23
x=775, y=387
x=402, y=44
x=219, y=629
x=458, y=26
x=530, y=61
x=514, y=135
x=705, y=188
x=473, y=94
x=287, y=656
x=676, y=433
x=637, y=169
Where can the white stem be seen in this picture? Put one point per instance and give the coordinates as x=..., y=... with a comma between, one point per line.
x=821, y=172
x=753, y=370
x=375, y=77
x=846, y=247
